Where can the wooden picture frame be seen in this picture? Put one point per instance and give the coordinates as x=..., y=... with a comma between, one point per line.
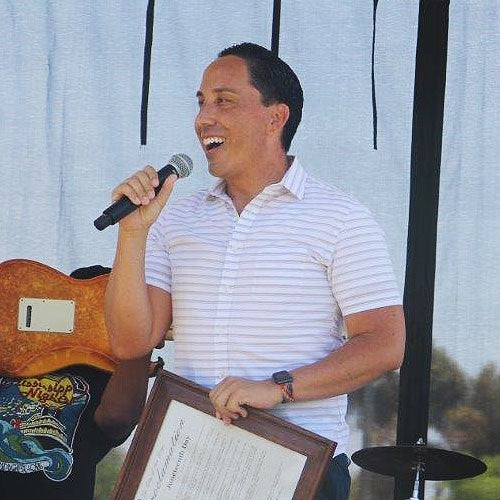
x=169, y=388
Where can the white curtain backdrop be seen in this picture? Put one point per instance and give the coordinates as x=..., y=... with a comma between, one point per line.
x=467, y=299
x=70, y=96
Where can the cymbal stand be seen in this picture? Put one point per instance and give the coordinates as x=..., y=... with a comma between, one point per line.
x=420, y=469
x=416, y=485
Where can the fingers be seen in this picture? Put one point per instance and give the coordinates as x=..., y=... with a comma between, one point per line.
x=239, y=409
x=165, y=190
x=233, y=395
x=227, y=400
x=140, y=188
x=228, y=416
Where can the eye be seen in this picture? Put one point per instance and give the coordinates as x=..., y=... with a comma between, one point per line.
x=225, y=100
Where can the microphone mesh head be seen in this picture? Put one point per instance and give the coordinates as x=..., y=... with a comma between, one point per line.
x=182, y=163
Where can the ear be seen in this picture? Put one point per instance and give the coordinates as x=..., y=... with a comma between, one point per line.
x=279, y=114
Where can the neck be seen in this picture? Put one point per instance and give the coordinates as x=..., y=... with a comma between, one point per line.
x=243, y=191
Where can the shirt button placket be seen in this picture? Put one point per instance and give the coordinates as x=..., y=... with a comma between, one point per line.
x=229, y=277
x=224, y=304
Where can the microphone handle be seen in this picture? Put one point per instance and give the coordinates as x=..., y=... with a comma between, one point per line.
x=123, y=207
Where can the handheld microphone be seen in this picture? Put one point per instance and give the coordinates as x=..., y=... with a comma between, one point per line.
x=180, y=165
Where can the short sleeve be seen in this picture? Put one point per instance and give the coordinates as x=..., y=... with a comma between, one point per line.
x=157, y=262
x=361, y=272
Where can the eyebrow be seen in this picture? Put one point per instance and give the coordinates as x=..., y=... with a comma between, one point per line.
x=218, y=90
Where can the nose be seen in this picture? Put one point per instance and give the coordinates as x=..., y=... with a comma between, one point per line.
x=206, y=115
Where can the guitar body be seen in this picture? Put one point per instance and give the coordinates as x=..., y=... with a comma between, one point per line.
x=29, y=353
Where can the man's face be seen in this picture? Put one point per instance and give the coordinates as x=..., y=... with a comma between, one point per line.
x=232, y=122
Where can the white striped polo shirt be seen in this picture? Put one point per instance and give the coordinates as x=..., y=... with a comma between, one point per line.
x=266, y=290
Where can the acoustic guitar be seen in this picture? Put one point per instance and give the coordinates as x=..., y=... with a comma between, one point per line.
x=49, y=320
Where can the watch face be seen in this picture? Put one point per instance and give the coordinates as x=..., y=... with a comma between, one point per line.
x=282, y=377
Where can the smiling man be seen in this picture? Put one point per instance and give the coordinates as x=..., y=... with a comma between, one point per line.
x=264, y=272
x=240, y=134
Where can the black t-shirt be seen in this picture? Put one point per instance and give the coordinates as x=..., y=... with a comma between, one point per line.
x=49, y=443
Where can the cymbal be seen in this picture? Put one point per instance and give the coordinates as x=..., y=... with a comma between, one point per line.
x=438, y=464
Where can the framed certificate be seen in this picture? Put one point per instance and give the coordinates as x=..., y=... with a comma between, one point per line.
x=181, y=451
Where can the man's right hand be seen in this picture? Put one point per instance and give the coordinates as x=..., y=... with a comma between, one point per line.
x=140, y=189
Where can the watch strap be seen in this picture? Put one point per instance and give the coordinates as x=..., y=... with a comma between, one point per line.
x=287, y=392
x=285, y=380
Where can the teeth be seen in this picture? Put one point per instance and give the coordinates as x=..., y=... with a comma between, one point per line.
x=208, y=141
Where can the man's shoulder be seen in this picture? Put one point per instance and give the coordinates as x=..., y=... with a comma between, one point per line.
x=330, y=197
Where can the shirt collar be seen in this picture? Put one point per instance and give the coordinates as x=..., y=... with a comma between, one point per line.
x=217, y=190
x=294, y=181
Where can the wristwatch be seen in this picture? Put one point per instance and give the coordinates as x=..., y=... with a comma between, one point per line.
x=285, y=380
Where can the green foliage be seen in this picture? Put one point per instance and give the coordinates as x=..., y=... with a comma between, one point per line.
x=448, y=387
x=107, y=473
x=474, y=426
x=486, y=398
x=386, y=395
x=465, y=410
x=483, y=487
x=378, y=400
x=466, y=429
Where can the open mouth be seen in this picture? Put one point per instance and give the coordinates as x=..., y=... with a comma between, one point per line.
x=212, y=143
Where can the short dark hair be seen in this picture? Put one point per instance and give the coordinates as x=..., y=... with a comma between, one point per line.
x=275, y=80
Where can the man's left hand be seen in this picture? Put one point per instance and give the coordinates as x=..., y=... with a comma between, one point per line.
x=231, y=396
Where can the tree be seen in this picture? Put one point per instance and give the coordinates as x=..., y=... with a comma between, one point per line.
x=465, y=410
x=448, y=387
x=376, y=407
x=466, y=429
x=486, y=397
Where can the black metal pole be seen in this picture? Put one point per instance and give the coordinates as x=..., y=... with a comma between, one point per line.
x=275, y=41
x=146, y=70
x=428, y=107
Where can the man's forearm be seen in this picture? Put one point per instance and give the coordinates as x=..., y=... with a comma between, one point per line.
x=128, y=309
x=376, y=346
x=345, y=370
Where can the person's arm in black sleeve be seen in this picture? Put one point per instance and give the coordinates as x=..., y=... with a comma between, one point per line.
x=123, y=399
